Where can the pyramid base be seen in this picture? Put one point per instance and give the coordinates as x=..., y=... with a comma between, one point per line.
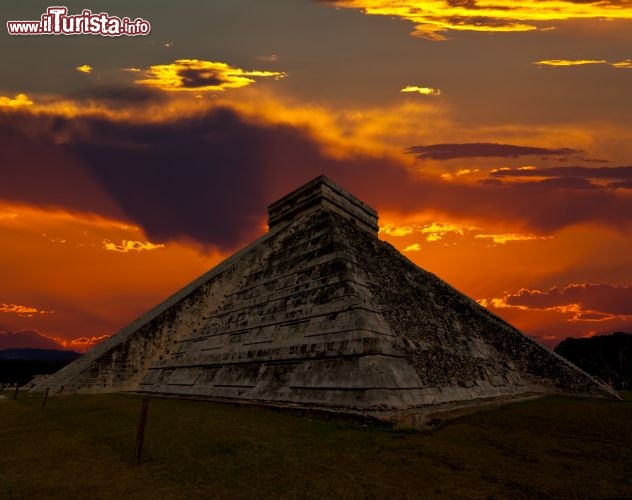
x=420, y=417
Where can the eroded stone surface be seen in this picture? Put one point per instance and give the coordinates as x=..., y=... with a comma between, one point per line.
x=319, y=312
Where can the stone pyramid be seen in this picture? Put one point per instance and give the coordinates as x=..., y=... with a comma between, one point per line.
x=319, y=313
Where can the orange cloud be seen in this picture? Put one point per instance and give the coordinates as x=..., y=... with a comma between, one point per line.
x=449, y=176
x=436, y=231
x=85, y=68
x=393, y=230
x=131, y=246
x=197, y=76
x=433, y=232
x=415, y=247
x=19, y=101
x=22, y=311
x=81, y=344
x=432, y=18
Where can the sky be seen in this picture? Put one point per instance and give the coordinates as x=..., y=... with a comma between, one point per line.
x=494, y=138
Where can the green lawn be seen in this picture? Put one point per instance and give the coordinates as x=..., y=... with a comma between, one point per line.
x=82, y=447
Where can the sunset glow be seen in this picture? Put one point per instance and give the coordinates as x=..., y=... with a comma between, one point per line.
x=494, y=144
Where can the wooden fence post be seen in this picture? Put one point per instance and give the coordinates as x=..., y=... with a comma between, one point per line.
x=140, y=431
x=45, y=399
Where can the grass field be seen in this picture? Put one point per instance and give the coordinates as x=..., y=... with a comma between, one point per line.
x=83, y=446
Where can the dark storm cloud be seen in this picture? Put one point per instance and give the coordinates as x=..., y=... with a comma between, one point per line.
x=207, y=178
x=35, y=170
x=482, y=150
x=197, y=178
x=210, y=177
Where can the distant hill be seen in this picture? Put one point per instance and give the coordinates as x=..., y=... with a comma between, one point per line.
x=20, y=365
x=31, y=354
x=608, y=357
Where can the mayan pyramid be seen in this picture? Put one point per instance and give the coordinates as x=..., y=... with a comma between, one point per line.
x=319, y=313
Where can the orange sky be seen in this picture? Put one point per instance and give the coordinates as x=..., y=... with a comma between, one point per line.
x=499, y=161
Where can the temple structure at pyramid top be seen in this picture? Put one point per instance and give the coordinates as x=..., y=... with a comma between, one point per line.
x=319, y=313
x=322, y=192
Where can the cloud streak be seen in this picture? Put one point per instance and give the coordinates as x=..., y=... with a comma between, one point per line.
x=22, y=311
x=569, y=177
x=421, y=90
x=483, y=150
x=501, y=239
x=622, y=173
x=562, y=63
x=37, y=340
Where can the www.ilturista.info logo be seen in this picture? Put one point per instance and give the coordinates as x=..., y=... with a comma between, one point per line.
x=56, y=21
